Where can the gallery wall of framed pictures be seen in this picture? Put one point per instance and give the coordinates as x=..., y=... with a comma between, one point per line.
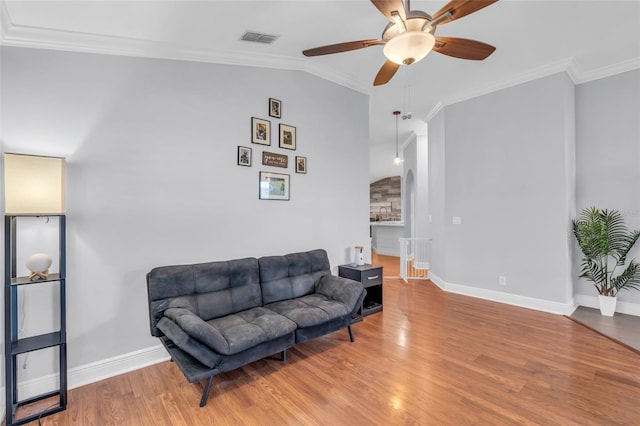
x=273, y=185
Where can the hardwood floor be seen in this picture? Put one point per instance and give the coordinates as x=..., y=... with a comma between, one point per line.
x=390, y=264
x=429, y=358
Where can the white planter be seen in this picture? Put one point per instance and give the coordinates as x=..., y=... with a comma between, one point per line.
x=607, y=305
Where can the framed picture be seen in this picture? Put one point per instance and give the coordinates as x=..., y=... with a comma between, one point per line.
x=287, y=137
x=274, y=186
x=260, y=131
x=275, y=108
x=275, y=160
x=301, y=164
x=244, y=156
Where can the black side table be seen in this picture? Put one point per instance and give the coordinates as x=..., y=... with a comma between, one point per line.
x=371, y=278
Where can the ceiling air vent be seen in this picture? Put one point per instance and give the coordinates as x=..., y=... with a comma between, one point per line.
x=258, y=37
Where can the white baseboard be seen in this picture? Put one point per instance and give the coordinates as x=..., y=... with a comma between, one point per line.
x=508, y=298
x=437, y=281
x=514, y=299
x=100, y=370
x=92, y=372
x=591, y=301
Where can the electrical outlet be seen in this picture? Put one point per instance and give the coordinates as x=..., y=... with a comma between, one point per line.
x=502, y=280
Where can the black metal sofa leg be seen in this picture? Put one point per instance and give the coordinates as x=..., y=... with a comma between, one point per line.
x=283, y=356
x=205, y=392
x=351, y=334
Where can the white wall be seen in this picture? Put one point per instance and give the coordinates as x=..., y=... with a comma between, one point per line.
x=152, y=177
x=608, y=157
x=505, y=157
x=381, y=161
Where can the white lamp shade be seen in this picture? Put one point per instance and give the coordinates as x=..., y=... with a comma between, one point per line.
x=409, y=47
x=33, y=184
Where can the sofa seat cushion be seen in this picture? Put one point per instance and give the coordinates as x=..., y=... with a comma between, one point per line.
x=310, y=310
x=233, y=333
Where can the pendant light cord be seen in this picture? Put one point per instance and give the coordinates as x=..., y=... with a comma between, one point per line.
x=396, y=135
x=407, y=94
x=397, y=160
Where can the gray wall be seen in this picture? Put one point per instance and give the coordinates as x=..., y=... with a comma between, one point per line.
x=152, y=177
x=506, y=156
x=436, y=214
x=516, y=166
x=608, y=154
x=415, y=186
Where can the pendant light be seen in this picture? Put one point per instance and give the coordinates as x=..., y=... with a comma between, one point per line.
x=397, y=161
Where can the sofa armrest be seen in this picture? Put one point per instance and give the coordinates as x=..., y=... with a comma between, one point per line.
x=344, y=290
x=198, y=329
x=188, y=344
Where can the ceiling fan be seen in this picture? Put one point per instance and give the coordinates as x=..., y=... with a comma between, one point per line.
x=409, y=36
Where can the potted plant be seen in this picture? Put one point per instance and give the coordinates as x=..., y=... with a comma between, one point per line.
x=605, y=243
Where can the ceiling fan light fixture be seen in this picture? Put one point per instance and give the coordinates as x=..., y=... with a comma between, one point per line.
x=399, y=22
x=409, y=47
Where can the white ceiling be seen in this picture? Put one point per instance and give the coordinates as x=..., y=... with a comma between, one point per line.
x=589, y=39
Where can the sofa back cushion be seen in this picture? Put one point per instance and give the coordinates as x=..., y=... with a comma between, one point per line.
x=209, y=290
x=292, y=275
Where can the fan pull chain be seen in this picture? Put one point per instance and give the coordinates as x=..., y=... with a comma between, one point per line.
x=407, y=95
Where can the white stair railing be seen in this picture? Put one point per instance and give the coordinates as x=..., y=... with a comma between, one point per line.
x=414, y=258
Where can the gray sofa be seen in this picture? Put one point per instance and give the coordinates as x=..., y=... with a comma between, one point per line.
x=217, y=316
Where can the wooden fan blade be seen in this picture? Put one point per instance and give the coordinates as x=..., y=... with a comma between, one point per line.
x=388, y=6
x=385, y=74
x=460, y=8
x=341, y=47
x=463, y=48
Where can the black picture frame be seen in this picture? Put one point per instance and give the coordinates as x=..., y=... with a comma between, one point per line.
x=244, y=156
x=287, y=137
x=301, y=165
x=260, y=131
x=275, y=108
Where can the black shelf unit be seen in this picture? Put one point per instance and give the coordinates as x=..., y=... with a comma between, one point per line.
x=14, y=345
x=371, y=278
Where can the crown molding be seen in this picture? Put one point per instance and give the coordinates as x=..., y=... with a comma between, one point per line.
x=573, y=72
x=568, y=66
x=5, y=20
x=338, y=78
x=534, y=74
x=607, y=71
x=53, y=39
x=12, y=34
x=411, y=137
x=435, y=110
